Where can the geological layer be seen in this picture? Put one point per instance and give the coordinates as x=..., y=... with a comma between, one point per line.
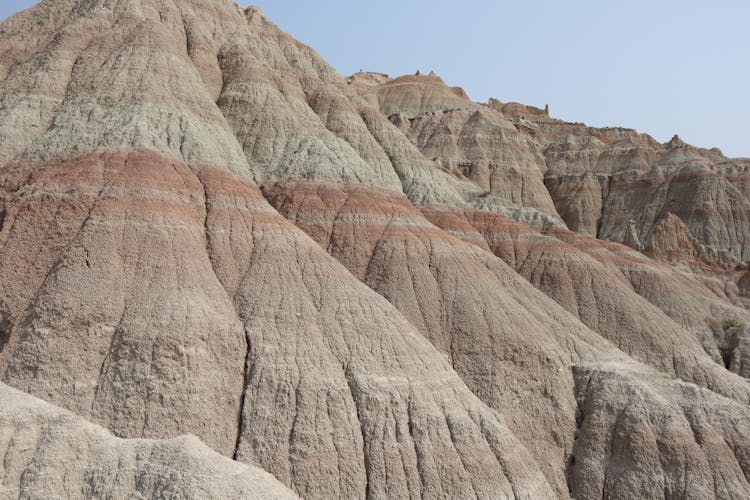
x=365, y=287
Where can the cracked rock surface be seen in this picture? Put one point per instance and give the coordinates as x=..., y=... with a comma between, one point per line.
x=51, y=453
x=365, y=287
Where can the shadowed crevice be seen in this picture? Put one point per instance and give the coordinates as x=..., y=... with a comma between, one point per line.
x=247, y=366
x=5, y=329
x=353, y=390
x=582, y=381
x=240, y=414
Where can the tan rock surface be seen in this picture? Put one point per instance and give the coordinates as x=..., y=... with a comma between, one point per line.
x=166, y=296
x=51, y=453
x=413, y=94
x=598, y=178
x=373, y=331
x=632, y=442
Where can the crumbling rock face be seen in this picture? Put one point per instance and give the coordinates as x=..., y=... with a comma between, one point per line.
x=51, y=453
x=599, y=179
x=150, y=287
x=632, y=441
x=598, y=293
x=207, y=230
x=733, y=341
x=485, y=148
x=475, y=143
x=671, y=240
x=644, y=181
x=631, y=237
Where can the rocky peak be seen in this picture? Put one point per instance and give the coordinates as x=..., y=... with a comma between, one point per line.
x=411, y=94
x=675, y=142
x=255, y=12
x=518, y=110
x=367, y=79
x=631, y=236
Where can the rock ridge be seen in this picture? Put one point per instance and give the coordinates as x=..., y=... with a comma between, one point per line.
x=367, y=287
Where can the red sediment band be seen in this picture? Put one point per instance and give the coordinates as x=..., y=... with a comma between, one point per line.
x=610, y=252
x=607, y=252
x=454, y=222
x=363, y=199
x=142, y=184
x=326, y=210
x=148, y=169
x=502, y=235
x=572, y=187
x=507, y=238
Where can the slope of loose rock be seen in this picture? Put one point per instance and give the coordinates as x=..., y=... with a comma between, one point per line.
x=632, y=442
x=148, y=286
x=601, y=180
x=597, y=290
x=384, y=241
x=51, y=453
x=336, y=337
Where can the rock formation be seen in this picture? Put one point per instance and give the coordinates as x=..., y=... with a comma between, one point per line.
x=367, y=287
x=51, y=453
x=599, y=179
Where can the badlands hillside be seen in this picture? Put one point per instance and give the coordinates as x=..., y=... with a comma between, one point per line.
x=226, y=271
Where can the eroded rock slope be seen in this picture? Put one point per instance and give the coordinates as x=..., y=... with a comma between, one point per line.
x=205, y=229
x=51, y=453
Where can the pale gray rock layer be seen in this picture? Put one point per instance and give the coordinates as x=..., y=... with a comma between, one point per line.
x=51, y=453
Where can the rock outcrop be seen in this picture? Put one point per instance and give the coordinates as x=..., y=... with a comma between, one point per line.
x=413, y=94
x=599, y=179
x=149, y=287
x=51, y=453
x=364, y=286
x=631, y=442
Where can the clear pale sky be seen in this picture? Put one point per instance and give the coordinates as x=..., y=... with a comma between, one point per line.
x=661, y=66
